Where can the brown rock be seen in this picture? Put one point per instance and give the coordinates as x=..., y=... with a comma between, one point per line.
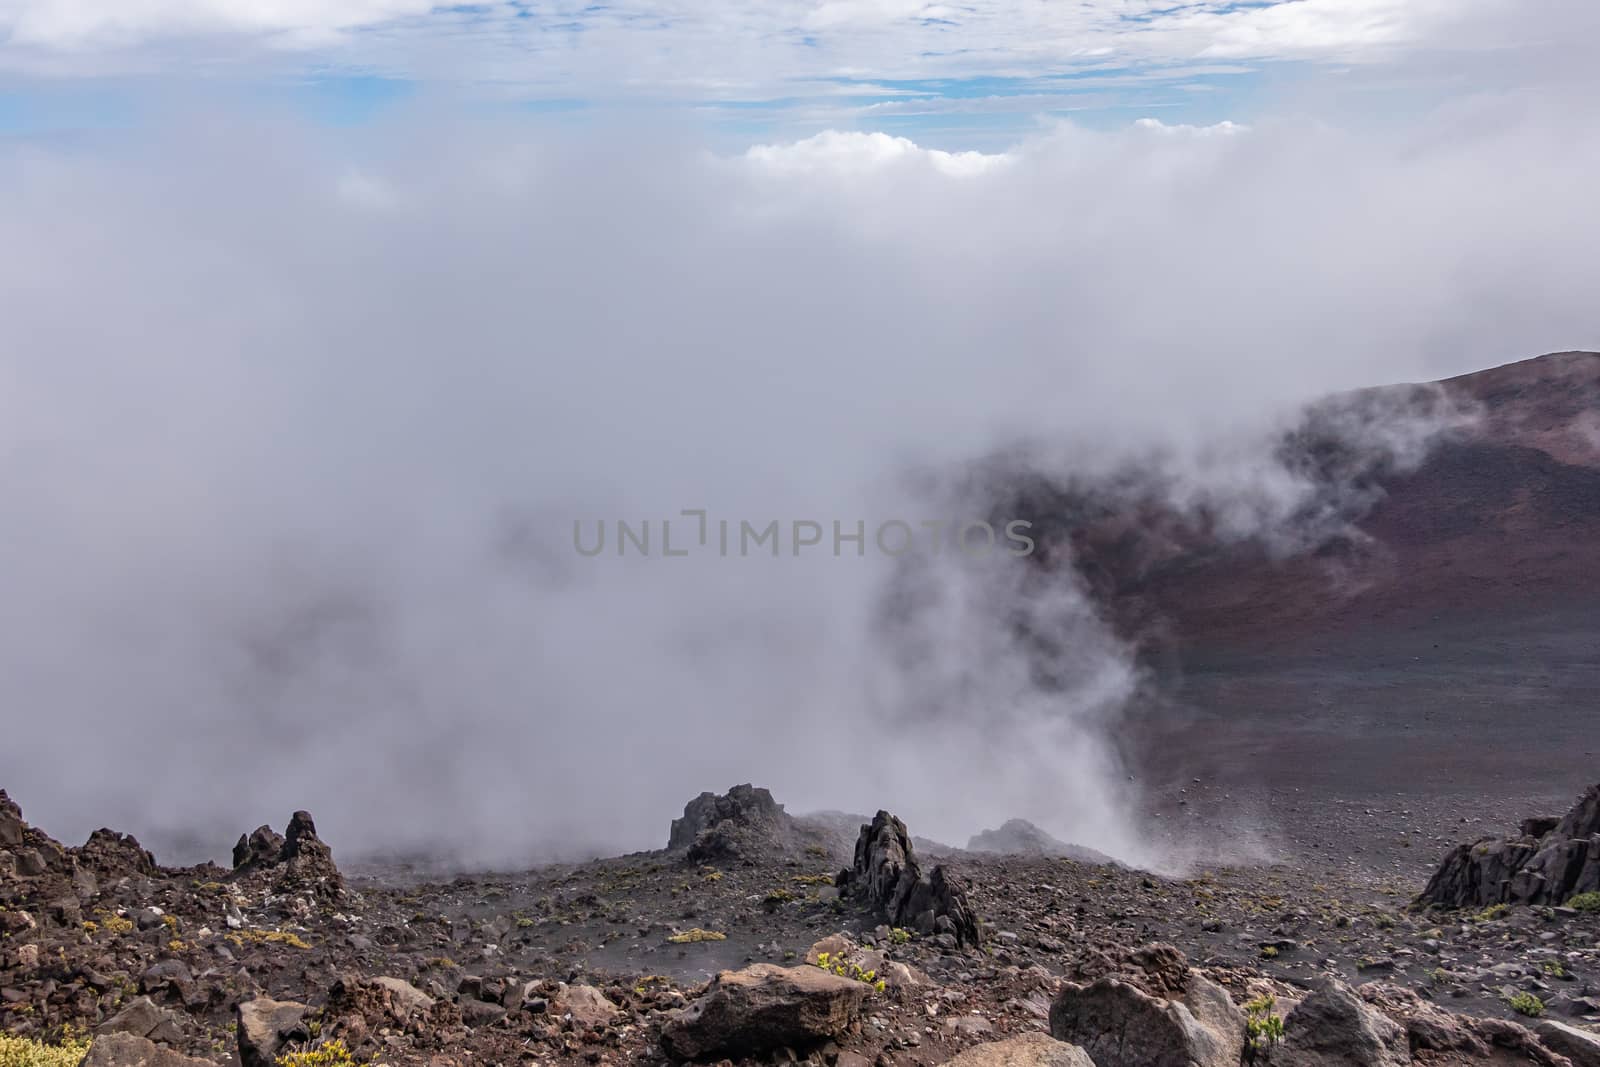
x=588, y=1006
x=763, y=1007
x=129, y=1050
x=1029, y=1050
x=266, y=1027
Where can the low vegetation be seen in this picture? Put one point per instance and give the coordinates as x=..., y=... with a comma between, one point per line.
x=23, y=1052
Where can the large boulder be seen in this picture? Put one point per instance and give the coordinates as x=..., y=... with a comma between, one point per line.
x=1333, y=1027
x=1120, y=1025
x=130, y=1050
x=1546, y=862
x=1027, y=1050
x=380, y=1000
x=886, y=877
x=1582, y=1047
x=266, y=1027
x=763, y=1007
x=1147, y=1008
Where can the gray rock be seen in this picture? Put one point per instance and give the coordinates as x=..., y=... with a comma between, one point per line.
x=761, y=1008
x=129, y=1050
x=1120, y=1025
x=1582, y=1047
x=142, y=1018
x=266, y=1027
x=1333, y=1027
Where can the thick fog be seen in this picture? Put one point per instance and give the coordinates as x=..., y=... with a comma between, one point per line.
x=295, y=426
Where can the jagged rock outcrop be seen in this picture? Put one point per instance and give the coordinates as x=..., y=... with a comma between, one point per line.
x=886, y=877
x=11, y=824
x=262, y=848
x=1019, y=837
x=297, y=860
x=763, y=1007
x=1333, y=1027
x=110, y=853
x=1154, y=1011
x=744, y=823
x=1546, y=863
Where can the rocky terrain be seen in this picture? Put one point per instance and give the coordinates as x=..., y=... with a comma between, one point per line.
x=777, y=945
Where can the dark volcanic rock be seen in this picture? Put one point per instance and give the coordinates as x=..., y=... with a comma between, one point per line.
x=764, y=1007
x=298, y=860
x=887, y=878
x=743, y=824
x=11, y=823
x=1548, y=863
x=1019, y=837
x=263, y=848
x=108, y=852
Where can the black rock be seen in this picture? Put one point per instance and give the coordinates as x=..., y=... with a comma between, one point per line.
x=886, y=877
x=1548, y=863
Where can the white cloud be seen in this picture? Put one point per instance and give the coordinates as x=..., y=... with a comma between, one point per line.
x=81, y=24
x=849, y=152
x=1224, y=128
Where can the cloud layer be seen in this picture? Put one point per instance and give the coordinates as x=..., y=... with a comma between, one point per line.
x=293, y=431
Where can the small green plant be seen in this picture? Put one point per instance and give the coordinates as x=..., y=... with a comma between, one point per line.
x=265, y=937
x=523, y=922
x=1585, y=901
x=899, y=935
x=1491, y=913
x=689, y=937
x=1554, y=968
x=1526, y=1004
x=813, y=879
x=332, y=1054
x=116, y=924
x=1269, y=952
x=835, y=963
x=1261, y=1026
x=777, y=898
x=22, y=1052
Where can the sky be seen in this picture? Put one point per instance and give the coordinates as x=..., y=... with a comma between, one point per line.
x=960, y=75
x=322, y=324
